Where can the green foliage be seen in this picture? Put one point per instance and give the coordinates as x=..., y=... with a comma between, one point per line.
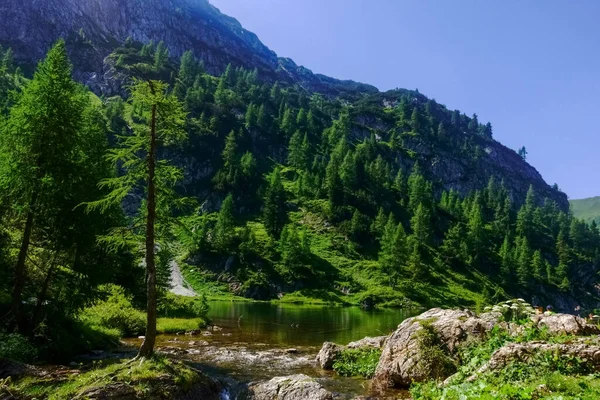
x=433, y=356
x=173, y=306
x=16, y=347
x=357, y=362
x=116, y=312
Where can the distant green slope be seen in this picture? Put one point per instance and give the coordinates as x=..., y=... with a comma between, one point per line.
x=587, y=209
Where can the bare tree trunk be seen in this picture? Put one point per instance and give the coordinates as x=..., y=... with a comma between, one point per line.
x=20, y=269
x=147, y=347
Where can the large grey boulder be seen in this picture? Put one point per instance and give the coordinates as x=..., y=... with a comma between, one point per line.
x=415, y=354
x=566, y=324
x=293, y=387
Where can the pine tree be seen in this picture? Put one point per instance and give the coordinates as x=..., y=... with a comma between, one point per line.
x=188, y=70
x=39, y=145
x=416, y=120
x=288, y=125
x=474, y=125
x=298, y=151
x=157, y=121
x=275, y=215
x=225, y=227
x=421, y=225
x=537, y=265
x=161, y=57
x=523, y=261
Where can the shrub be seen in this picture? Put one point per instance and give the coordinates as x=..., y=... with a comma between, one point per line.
x=174, y=306
x=116, y=312
x=357, y=362
x=16, y=347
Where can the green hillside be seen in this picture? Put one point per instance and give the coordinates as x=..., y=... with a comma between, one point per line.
x=587, y=209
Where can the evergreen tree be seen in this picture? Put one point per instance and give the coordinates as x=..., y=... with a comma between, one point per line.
x=421, y=225
x=537, y=265
x=157, y=121
x=39, y=146
x=188, y=70
x=161, y=57
x=225, y=227
x=275, y=215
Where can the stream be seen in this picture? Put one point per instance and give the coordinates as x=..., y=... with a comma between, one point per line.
x=258, y=341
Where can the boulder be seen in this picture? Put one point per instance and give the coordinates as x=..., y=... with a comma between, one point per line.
x=406, y=358
x=330, y=351
x=368, y=342
x=566, y=324
x=293, y=387
x=327, y=354
x=523, y=352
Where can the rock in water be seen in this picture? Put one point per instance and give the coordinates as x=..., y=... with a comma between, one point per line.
x=327, y=354
x=293, y=387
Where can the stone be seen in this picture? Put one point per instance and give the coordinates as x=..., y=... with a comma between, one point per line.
x=293, y=387
x=402, y=360
x=368, y=342
x=327, y=354
x=523, y=352
x=566, y=324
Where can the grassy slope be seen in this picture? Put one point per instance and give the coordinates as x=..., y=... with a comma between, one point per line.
x=342, y=267
x=587, y=209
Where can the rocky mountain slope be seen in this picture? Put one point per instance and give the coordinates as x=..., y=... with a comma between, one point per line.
x=93, y=28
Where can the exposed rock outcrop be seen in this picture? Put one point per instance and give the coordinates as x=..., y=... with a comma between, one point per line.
x=293, y=387
x=524, y=352
x=566, y=324
x=404, y=360
x=329, y=351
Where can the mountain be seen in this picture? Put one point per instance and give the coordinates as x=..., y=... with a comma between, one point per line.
x=94, y=28
x=309, y=187
x=586, y=209
x=30, y=27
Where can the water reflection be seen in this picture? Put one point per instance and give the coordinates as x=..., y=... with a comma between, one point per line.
x=301, y=325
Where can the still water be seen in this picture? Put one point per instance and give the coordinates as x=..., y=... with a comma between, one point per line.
x=290, y=325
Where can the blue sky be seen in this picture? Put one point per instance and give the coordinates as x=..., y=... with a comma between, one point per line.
x=531, y=68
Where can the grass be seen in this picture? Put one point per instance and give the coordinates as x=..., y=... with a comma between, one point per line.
x=357, y=362
x=586, y=209
x=146, y=378
x=174, y=325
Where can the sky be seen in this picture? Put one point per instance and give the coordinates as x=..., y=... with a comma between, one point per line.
x=531, y=68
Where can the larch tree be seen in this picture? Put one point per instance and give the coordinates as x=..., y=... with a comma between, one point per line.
x=38, y=147
x=157, y=119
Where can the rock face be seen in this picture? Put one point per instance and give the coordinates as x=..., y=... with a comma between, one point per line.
x=94, y=28
x=403, y=359
x=31, y=26
x=368, y=342
x=566, y=324
x=294, y=387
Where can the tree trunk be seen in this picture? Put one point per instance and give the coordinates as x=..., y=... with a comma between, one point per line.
x=20, y=269
x=147, y=347
x=42, y=296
